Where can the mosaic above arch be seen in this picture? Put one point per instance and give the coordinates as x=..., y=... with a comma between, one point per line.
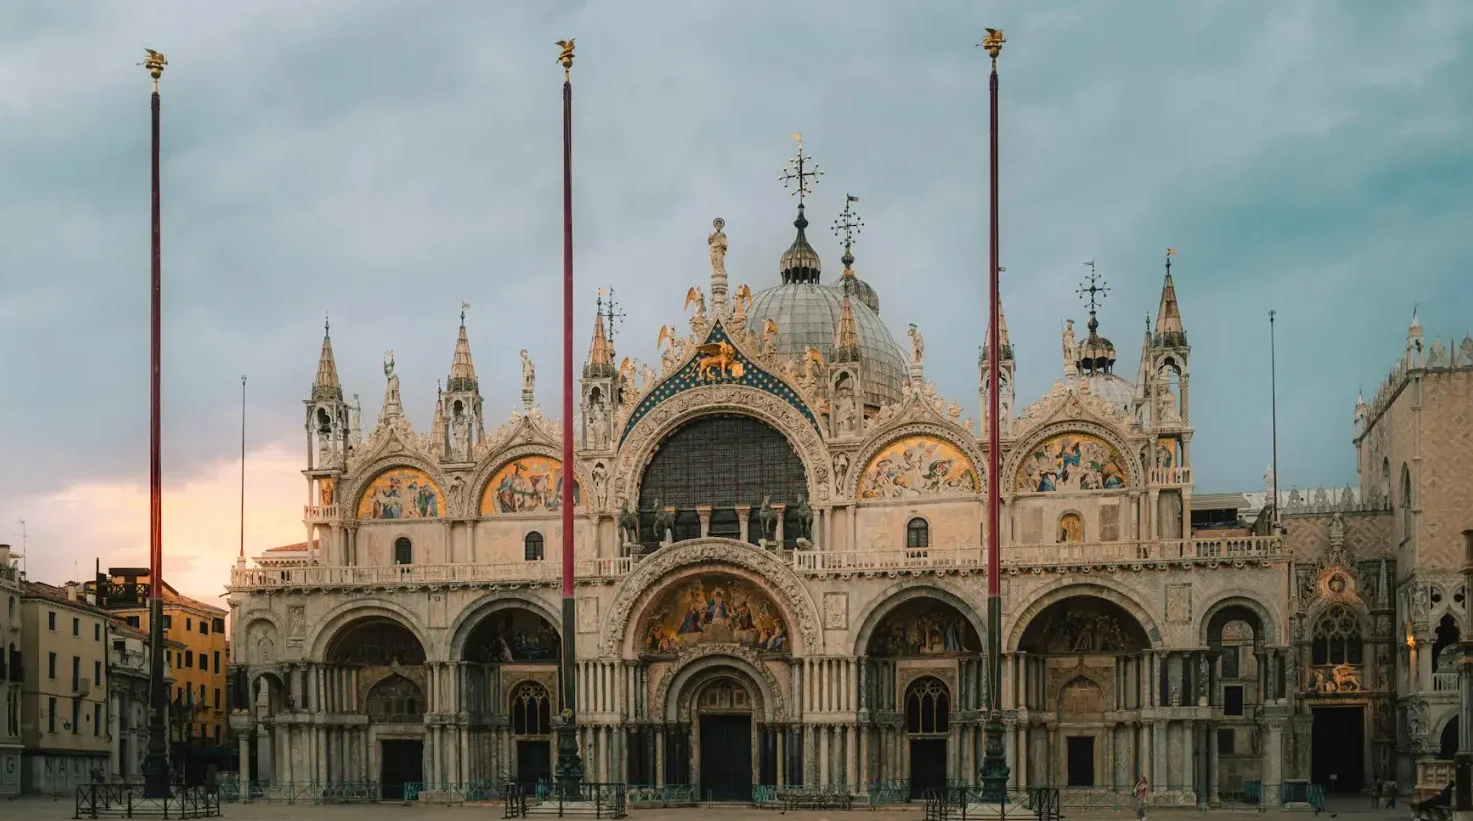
x=918, y=466
x=529, y=484
x=401, y=493
x=725, y=364
x=1071, y=461
x=714, y=609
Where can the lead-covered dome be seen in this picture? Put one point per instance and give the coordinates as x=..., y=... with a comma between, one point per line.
x=807, y=314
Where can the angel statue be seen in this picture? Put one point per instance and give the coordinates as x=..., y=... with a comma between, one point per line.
x=743, y=298
x=695, y=297
x=769, y=330
x=669, y=347
x=917, y=345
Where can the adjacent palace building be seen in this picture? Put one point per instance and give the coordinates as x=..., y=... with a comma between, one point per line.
x=781, y=573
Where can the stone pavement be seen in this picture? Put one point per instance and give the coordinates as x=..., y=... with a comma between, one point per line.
x=33, y=808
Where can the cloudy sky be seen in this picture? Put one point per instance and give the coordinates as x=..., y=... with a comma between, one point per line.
x=383, y=161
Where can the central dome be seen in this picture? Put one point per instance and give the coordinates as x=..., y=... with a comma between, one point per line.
x=807, y=314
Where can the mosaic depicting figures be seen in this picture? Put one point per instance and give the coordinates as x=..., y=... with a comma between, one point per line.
x=714, y=610
x=531, y=484
x=1083, y=625
x=924, y=627
x=918, y=466
x=1071, y=461
x=513, y=635
x=401, y=493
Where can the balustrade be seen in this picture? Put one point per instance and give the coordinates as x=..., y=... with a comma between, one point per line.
x=1171, y=476
x=317, y=514
x=1445, y=681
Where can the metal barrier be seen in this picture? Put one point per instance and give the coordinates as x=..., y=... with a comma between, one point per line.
x=660, y=795
x=515, y=803
x=961, y=803
x=608, y=800
x=885, y=793
x=129, y=801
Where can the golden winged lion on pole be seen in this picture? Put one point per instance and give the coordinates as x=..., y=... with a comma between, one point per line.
x=718, y=361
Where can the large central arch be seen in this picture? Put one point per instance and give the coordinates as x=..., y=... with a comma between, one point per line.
x=654, y=576
x=1100, y=589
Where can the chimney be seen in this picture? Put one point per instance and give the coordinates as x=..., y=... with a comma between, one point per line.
x=71, y=591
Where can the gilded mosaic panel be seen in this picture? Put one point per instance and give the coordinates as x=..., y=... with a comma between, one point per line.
x=401, y=493
x=1071, y=461
x=715, y=609
x=531, y=484
x=918, y=466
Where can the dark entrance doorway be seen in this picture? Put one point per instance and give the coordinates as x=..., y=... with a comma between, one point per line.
x=1336, y=748
x=726, y=757
x=1081, y=760
x=534, y=763
x=927, y=765
x=400, y=762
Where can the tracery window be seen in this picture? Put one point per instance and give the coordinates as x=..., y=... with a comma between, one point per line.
x=1406, y=503
x=927, y=707
x=403, y=550
x=532, y=547
x=396, y=699
x=531, y=710
x=917, y=534
x=724, y=696
x=1337, y=638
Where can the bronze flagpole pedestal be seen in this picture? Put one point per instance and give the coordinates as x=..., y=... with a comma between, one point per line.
x=155, y=767
x=994, y=757
x=569, y=763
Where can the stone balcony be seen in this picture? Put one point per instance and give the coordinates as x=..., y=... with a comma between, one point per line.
x=320, y=514
x=1171, y=477
x=1201, y=553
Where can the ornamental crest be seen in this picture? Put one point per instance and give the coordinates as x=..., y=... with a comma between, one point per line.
x=719, y=360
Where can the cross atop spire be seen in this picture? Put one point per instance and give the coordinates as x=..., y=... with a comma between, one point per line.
x=1094, y=287
x=1169, y=329
x=326, y=385
x=801, y=173
x=846, y=226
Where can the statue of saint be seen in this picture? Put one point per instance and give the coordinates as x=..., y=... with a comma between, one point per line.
x=529, y=372
x=917, y=345
x=717, y=241
x=1071, y=349
x=391, y=392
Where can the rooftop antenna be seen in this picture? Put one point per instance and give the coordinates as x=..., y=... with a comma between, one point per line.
x=23, y=550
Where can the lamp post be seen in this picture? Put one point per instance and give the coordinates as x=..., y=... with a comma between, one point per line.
x=156, y=762
x=994, y=758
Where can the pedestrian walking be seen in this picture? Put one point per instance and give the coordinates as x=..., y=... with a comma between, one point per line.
x=1142, y=793
x=1390, y=793
x=1375, y=793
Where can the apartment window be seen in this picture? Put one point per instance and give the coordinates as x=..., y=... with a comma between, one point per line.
x=204, y=662
x=77, y=627
x=134, y=622
x=217, y=661
x=97, y=631
x=51, y=714
x=217, y=698
x=76, y=670
x=1232, y=700
x=168, y=658
x=217, y=625
x=201, y=697
x=51, y=620
x=76, y=715
x=97, y=673
x=189, y=624
x=51, y=666
x=188, y=658
x=204, y=627
x=97, y=719
x=168, y=621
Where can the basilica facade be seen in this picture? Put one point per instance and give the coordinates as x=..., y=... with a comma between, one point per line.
x=781, y=575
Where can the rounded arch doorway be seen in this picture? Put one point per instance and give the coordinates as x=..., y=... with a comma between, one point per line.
x=725, y=728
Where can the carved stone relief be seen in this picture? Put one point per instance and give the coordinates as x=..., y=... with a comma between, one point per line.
x=836, y=611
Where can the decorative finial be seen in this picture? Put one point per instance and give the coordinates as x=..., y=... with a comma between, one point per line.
x=612, y=311
x=463, y=306
x=154, y=61
x=1094, y=287
x=846, y=226
x=326, y=324
x=566, y=59
x=1170, y=252
x=993, y=43
x=801, y=173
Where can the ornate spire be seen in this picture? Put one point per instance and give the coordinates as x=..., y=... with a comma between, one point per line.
x=1005, y=346
x=1169, y=330
x=601, y=349
x=326, y=386
x=1096, y=353
x=800, y=262
x=438, y=441
x=462, y=369
x=1143, y=375
x=846, y=336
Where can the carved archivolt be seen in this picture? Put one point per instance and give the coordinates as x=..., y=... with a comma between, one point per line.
x=324, y=629
x=1129, y=459
x=644, y=583
x=640, y=445
x=935, y=589
x=741, y=659
x=881, y=439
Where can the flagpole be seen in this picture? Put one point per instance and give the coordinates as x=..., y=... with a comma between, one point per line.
x=569, y=763
x=156, y=761
x=1273, y=381
x=240, y=559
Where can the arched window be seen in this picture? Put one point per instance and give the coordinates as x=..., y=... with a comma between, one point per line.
x=1406, y=503
x=927, y=707
x=531, y=712
x=532, y=547
x=396, y=699
x=1386, y=479
x=403, y=551
x=1337, y=637
x=917, y=534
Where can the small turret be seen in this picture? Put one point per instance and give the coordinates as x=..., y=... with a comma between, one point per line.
x=599, y=377
x=463, y=418
x=1005, y=368
x=328, y=418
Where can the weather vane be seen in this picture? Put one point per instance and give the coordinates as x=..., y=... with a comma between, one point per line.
x=848, y=224
x=801, y=173
x=463, y=306
x=1095, y=287
x=154, y=61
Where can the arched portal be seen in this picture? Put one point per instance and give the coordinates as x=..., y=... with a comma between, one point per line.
x=375, y=667
x=726, y=737
x=529, y=705
x=927, y=705
x=509, y=676
x=730, y=463
x=1087, y=667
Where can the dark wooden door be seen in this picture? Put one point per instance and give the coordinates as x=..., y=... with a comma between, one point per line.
x=1335, y=748
x=927, y=766
x=534, y=763
x=726, y=758
x=400, y=762
x=1081, y=760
